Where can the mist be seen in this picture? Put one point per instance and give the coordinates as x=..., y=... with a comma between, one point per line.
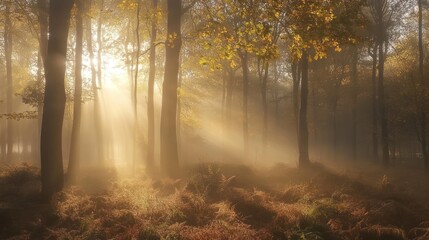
x=213, y=119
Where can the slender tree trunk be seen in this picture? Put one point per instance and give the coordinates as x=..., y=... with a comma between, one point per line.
x=228, y=101
x=314, y=108
x=100, y=45
x=335, y=97
x=43, y=23
x=382, y=106
x=179, y=109
x=136, y=77
x=169, y=154
x=9, y=79
x=374, y=104
x=55, y=98
x=354, y=77
x=97, y=108
x=302, y=118
x=296, y=78
x=263, y=76
x=224, y=121
x=334, y=128
x=245, y=66
x=150, y=92
x=128, y=58
x=229, y=93
x=276, y=93
x=423, y=140
x=74, y=157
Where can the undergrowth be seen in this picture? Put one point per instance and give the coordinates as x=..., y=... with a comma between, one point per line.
x=215, y=203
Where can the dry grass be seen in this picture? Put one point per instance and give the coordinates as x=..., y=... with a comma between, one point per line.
x=218, y=202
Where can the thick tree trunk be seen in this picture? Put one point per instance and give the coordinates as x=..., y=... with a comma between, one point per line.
x=55, y=98
x=302, y=118
x=9, y=79
x=354, y=77
x=423, y=137
x=169, y=154
x=245, y=66
x=74, y=157
x=150, y=93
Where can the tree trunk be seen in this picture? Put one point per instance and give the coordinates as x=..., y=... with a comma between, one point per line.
x=423, y=140
x=296, y=78
x=150, y=93
x=74, y=157
x=382, y=106
x=263, y=76
x=43, y=23
x=169, y=154
x=276, y=86
x=314, y=108
x=374, y=104
x=100, y=45
x=128, y=57
x=245, y=66
x=334, y=105
x=55, y=98
x=136, y=77
x=354, y=77
x=9, y=80
x=179, y=110
x=42, y=6
x=229, y=93
x=97, y=109
x=334, y=129
x=302, y=118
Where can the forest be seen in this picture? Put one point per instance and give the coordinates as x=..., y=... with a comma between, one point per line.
x=214, y=119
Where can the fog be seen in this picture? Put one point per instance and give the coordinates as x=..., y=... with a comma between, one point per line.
x=214, y=119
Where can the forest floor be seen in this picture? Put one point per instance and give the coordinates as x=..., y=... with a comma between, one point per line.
x=221, y=201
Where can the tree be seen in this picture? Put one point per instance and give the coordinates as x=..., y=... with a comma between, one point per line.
x=150, y=91
x=310, y=29
x=55, y=97
x=169, y=153
x=380, y=14
x=100, y=44
x=354, y=79
x=374, y=53
x=314, y=27
x=136, y=77
x=8, y=46
x=42, y=17
x=304, y=158
x=423, y=130
x=95, y=88
x=239, y=32
x=74, y=156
